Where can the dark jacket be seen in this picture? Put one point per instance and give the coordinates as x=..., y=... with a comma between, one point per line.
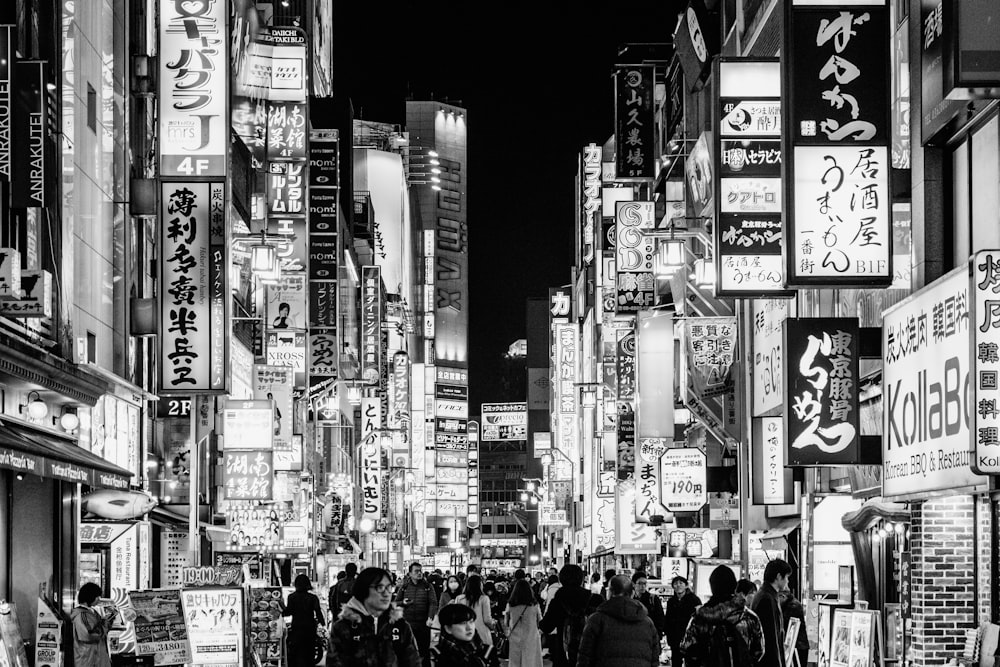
x=679, y=612
x=306, y=614
x=423, y=601
x=568, y=600
x=792, y=608
x=620, y=634
x=340, y=594
x=452, y=653
x=655, y=610
x=696, y=642
x=767, y=607
x=355, y=642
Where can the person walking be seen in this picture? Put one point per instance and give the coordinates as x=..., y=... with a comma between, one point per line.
x=792, y=608
x=652, y=603
x=608, y=575
x=474, y=598
x=723, y=632
x=451, y=591
x=303, y=607
x=619, y=633
x=522, y=618
x=340, y=593
x=90, y=628
x=566, y=615
x=767, y=606
x=680, y=609
x=460, y=646
x=420, y=606
x=370, y=631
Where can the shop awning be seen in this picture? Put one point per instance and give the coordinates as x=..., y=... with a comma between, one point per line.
x=776, y=537
x=35, y=453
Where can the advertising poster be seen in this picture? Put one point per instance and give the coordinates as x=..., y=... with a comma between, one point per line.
x=48, y=636
x=502, y=422
x=286, y=302
x=274, y=383
x=288, y=348
x=840, y=642
x=159, y=626
x=823, y=635
x=683, y=479
x=214, y=621
x=266, y=625
x=821, y=384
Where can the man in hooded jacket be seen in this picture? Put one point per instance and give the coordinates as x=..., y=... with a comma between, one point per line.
x=620, y=633
x=723, y=608
x=571, y=600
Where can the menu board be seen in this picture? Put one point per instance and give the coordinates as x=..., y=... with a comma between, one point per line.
x=159, y=626
x=214, y=620
x=266, y=624
x=854, y=634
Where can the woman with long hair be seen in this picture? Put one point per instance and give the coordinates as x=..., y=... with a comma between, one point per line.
x=522, y=618
x=303, y=607
x=474, y=598
x=452, y=589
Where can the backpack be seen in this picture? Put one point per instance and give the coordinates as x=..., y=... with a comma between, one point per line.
x=340, y=595
x=572, y=634
x=727, y=647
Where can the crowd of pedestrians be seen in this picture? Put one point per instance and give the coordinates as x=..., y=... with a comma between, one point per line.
x=440, y=619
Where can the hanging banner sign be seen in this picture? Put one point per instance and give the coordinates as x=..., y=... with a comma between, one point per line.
x=836, y=142
x=323, y=303
x=194, y=302
x=29, y=128
x=647, y=479
x=8, y=36
x=771, y=481
x=288, y=348
x=590, y=198
x=684, y=479
x=566, y=367
x=635, y=155
x=399, y=404
x=250, y=424
x=985, y=361
x=633, y=256
x=821, y=391
x=926, y=342
x=371, y=459
x=371, y=324
x=286, y=188
x=286, y=131
x=768, y=359
x=630, y=536
x=710, y=343
x=193, y=110
x=275, y=68
x=275, y=383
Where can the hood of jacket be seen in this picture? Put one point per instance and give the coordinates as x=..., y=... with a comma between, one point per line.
x=354, y=611
x=730, y=610
x=624, y=609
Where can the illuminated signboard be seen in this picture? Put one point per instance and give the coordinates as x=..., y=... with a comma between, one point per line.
x=635, y=153
x=590, y=183
x=371, y=324
x=194, y=65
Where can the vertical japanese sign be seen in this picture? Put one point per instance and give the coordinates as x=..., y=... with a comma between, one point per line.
x=7, y=37
x=371, y=324
x=633, y=256
x=590, y=199
x=247, y=475
x=286, y=188
x=821, y=391
x=647, y=479
x=322, y=233
x=710, y=343
x=286, y=131
x=473, y=479
x=836, y=143
x=986, y=361
x=399, y=397
x=635, y=154
x=749, y=233
x=275, y=383
x=567, y=351
x=768, y=360
x=371, y=459
x=29, y=128
x=194, y=299
x=193, y=116
x=771, y=481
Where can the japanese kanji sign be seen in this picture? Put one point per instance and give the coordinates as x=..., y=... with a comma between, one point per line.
x=633, y=256
x=247, y=475
x=371, y=324
x=768, y=359
x=821, y=391
x=504, y=421
x=371, y=459
x=749, y=231
x=625, y=363
x=194, y=299
x=590, y=199
x=771, y=481
x=194, y=64
x=647, y=478
x=287, y=125
x=926, y=343
x=286, y=188
x=634, y=139
x=683, y=479
x=986, y=361
x=710, y=343
x=836, y=72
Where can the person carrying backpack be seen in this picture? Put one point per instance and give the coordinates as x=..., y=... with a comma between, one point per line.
x=620, y=633
x=723, y=632
x=341, y=592
x=566, y=614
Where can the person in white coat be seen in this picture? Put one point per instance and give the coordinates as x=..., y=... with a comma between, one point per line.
x=522, y=617
x=474, y=598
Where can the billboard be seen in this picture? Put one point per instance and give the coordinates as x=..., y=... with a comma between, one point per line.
x=193, y=111
x=194, y=301
x=504, y=422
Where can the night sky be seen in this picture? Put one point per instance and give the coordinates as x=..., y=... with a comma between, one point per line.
x=537, y=83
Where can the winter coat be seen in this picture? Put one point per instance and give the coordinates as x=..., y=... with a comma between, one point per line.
x=792, y=608
x=619, y=634
x=423, y=602
x=484, y=616
x=306, y=614
x=768, y=608
x=360, y=640
x=655, y=610
x=568, y=600
x=90, y=637
x=525, y=642
x=340, y=594
x=452, y=653
x=679, y=613
x=696, y=642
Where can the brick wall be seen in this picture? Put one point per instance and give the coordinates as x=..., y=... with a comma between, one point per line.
x=984, y=521
x=943, y=583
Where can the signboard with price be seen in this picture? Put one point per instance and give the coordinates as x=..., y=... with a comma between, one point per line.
x=683, y=479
